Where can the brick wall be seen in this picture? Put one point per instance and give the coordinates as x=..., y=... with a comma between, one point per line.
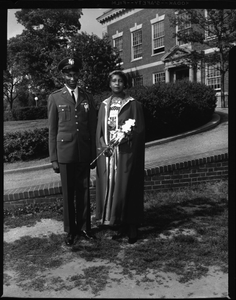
x=187, y=173
x=168, y=177
x=142, y=17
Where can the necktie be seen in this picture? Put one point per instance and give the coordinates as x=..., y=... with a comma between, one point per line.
x=73, y=96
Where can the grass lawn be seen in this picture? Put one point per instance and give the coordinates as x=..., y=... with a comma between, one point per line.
x=183, y=232
x=13, y=126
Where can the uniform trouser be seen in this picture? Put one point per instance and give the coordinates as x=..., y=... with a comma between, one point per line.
x=75, y=189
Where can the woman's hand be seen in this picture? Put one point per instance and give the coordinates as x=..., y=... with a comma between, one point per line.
x=108, y=152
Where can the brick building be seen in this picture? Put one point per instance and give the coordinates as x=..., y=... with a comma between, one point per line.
x=149, y=51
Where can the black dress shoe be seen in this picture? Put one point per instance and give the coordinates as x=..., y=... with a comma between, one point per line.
x=69, y=240
x=132, y=233
x=88, y=235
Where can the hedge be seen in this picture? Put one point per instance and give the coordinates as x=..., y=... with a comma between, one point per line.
x=26, y=113
x=25, y=145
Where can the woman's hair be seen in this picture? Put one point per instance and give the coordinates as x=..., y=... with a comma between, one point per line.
x=121, y=74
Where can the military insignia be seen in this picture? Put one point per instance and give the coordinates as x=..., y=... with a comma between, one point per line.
x=86, y=106
x=71, y=61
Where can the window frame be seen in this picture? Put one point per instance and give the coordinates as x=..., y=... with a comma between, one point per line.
x=120, y=38
x=216, y=76
x=161, y=74
x=134, y=30
x=158, y=20
x=140, y=77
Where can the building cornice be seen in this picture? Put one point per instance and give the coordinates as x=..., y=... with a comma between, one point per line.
x=110, y=14
x=113, y=15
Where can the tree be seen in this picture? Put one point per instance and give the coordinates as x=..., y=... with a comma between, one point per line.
x=13, y=81
x=45, y=40
x=212, y=28
x=99, y=58
x=49, y=36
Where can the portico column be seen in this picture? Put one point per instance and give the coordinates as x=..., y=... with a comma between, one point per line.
x=167, y=75
x=191, y=75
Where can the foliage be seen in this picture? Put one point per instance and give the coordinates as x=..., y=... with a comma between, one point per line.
x=172, y=108
x=99, y=59
x=8, y=115
x=49, y=36
x=52, y=210
x=25, y=145
x=215, y=30
x=30, y=113
x=32, y=54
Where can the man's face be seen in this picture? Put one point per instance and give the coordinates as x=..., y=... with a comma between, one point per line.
x=71, y=78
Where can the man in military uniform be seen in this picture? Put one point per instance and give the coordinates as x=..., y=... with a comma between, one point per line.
x=72, y=127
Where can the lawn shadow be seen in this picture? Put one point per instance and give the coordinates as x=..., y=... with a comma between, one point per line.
x=159, y=218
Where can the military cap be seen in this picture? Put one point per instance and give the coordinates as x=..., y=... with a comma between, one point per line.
x=70, y=64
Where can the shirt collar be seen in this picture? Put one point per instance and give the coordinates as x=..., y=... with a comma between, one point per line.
x=75, y=91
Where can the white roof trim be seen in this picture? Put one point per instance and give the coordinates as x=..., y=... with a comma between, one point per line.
x=158, y=63
x=114, y=15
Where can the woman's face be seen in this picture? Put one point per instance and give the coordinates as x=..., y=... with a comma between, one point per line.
x=117, y=84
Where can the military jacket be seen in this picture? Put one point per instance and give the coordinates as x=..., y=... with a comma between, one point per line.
x=72, y=127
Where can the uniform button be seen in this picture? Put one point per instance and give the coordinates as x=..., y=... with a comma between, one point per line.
x=76, y=116
x=77, y=129
x=76, y=122
x=62, y=140
x=75, y=109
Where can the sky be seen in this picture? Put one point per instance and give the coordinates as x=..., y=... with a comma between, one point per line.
x=88, y=22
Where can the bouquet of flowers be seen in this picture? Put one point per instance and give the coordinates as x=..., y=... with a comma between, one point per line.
x=118, y=135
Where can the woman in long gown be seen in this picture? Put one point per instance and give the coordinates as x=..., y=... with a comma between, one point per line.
x=120, y=175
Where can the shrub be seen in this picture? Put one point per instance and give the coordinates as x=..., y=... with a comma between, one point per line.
x=29, y=144
x=171, y=108
x=30, y=113
x=8, y=115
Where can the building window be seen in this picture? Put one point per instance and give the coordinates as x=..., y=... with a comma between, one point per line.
x=159, y=77
x=118, y=43
x=213, y=76
x=137, y=44
x=183, y=25
x=138, y=81
x=158, y=37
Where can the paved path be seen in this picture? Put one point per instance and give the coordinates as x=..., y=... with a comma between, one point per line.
x=203, y=144
x=195, y=146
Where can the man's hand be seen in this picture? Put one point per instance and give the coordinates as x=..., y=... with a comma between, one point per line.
x=55, y=167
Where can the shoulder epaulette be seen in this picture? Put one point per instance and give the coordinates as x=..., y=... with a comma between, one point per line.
x=56, y=91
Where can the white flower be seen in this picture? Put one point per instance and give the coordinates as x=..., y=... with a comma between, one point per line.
x=123, y=131
x=118, y=135
x=128, y=125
